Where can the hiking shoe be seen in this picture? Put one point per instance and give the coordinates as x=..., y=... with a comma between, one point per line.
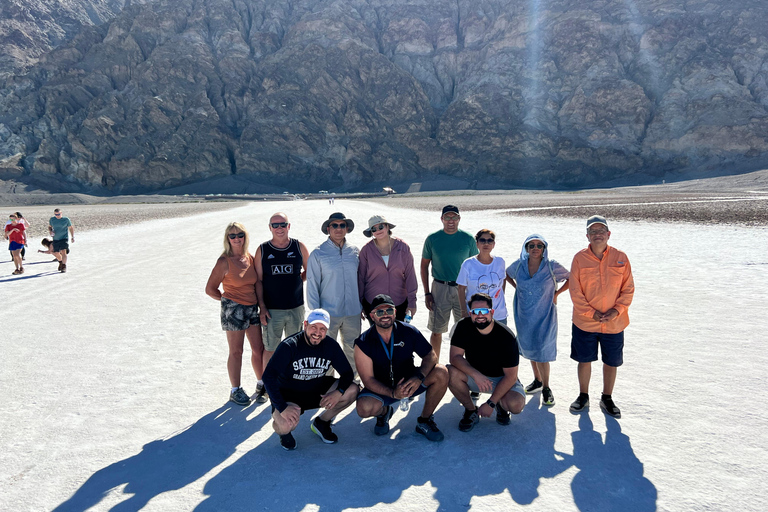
x=607, y=405
x=63, y=268
x=533, y=387
x=323, y=429
x=239, y=397
x=428, y=429
x=547, y=398
x=502, y=416
x=474, y=395
x=469, y=420
x=60, y=264
x=15, y=272
x=288, y=442
x=382, y=421
x=21, y=270
x=260, y=396
x=581, y=403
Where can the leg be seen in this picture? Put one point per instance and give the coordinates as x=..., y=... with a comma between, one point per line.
x=64, y=257
x=349, y=396
x=235, y=341
x=609, y=378
x=368, y=407
x=585, y=373
x=16, y=255
x=543, y=369
x=57, y=255
x=281, y=425
x=436, y=384
x=536, y=373
x=457, y=382
x=513, y=401
x=257, y=349
x=436, y=340
x=349, y=331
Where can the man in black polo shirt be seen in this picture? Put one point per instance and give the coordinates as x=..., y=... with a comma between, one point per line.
x=296, y=379
x=484, y=359
x=384, y=360
x=281, y=265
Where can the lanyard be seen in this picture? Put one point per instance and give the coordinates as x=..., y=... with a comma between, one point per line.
x=389, y=352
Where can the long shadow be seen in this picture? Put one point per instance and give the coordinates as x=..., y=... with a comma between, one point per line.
x=28, y=276
x=171, y=463
x=610, y=476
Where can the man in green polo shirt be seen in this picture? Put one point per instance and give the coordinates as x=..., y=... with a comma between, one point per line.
x=446, y=250
x=61, y=229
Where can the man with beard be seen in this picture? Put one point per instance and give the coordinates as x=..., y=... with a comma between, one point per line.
x=384, y=358
x=296, y=380
x=484, y=359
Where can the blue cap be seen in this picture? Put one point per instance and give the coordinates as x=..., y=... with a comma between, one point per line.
x=319, y=316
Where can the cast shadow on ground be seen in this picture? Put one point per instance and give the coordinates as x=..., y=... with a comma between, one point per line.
x=171, y=463
x=28, y=276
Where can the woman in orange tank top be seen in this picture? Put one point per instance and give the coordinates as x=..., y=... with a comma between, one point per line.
x=235, y=272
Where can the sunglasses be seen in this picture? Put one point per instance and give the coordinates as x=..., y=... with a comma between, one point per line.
x=276, y=225
x=380, y=227
x=535, y=246
x=451, y=218
x=480, y=311
x=57, y=215
x=232, y=236
x=382, y=312
x=338, y=226
x=597, y=232
x=486, y=241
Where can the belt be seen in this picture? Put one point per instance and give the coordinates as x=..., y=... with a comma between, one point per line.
x=449, y=283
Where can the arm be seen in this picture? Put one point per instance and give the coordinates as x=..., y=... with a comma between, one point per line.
x=430, y=302
x=346, y=375
x=314, y=274
x=50, y=229
x=462, y=291
x=502, y=388
x=216, y=277
x=362, y=272
x=364, y=366
x=304, y=259
x=264, y=315
x=406, y=388
x=563, y=288
x=580, y=304
x=278, y=364
x=411, y=283
x=72, y=233
x=624, y=299
x=458, y=360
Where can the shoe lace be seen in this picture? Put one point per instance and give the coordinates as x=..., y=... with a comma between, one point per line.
x=430, y=423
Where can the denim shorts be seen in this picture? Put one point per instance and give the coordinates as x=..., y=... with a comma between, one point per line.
x=517, y=387
x=584, y=346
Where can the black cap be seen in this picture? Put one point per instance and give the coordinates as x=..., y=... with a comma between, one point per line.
x=381, y=299
x=450, y=208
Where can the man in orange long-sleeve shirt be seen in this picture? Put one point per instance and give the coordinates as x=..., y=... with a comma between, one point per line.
x=601, y=287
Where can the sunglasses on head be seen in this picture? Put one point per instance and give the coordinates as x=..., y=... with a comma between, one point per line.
x=486, y=241
x=232, y=236
x=384, y=311
x=276, y=225
x=338, y=226
x=379, y=227
x=535, y=246
x=480, y=311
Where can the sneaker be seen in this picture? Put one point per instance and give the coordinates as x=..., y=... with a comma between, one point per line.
x=21, y=270
x=63, y=268
x=502, y=416
x=60, y=264
x=581, y=403
x=607, y=405
x=260, y=396
x=533, y=387
x=239, y=397
x=547, y=398
x=382, y=422
x=323, y=429
x=15, y=272
x=474, y=395
x=429, y=429
x=288, y=442
x=469, y=420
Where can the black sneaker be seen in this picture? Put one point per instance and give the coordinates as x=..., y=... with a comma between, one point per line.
x=547, y=398
x=474, y=395
x=581, y=403
x=239, y=397
x=323, y=429
x=288, y=442
x=428, y=429
x=607, y=405
x=382, y=421
x=534, y=386
x=260, y=396
x=502, y=416
x=469, y=420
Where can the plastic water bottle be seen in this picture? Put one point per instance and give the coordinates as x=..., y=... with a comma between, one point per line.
x=404, y=404
x=408, y=319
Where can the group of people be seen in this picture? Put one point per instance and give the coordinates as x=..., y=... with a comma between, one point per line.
x=294, y=355
x=17, y=232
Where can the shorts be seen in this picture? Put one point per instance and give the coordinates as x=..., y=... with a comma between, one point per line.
x=288, y=321
x=584, y=346
x=517, y=387
x=388, y=400
x=238, y=317
x=15, y=246
x=446, y=301
x=60, y=245
x=307, y=400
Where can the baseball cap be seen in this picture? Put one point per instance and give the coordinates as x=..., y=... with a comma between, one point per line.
x=450, y=208
x=597, y=219
x=381, y=299
x=320, y=316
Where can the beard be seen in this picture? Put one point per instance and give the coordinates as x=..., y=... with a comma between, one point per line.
x=481, y=323
x=383, y=322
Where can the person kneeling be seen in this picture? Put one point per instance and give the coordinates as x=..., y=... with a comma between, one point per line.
x=296, y=380
x=384, y=360
x=484, y=358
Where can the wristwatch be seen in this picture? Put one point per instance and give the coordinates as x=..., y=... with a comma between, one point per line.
x=490, y=402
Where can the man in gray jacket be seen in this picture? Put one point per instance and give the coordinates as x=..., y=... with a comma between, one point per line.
x=332, y=283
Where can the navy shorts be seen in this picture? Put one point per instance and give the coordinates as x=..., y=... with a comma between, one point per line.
x=584, y=346
x=15, y=246
x=61, y=245
x=388, y=400
x=307, y=400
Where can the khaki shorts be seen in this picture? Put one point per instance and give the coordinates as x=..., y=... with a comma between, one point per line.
x=446, y=300
x=288, y=321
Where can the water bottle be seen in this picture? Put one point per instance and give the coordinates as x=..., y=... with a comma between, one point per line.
x=404, y=404
x=408, y=319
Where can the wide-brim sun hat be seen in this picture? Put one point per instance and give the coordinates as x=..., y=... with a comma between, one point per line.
x=339, y=217
x=375, y=221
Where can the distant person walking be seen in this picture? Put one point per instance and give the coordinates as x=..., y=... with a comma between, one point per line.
x=602, y=288
x=445, y=250
x=236, y=273
x=14, y=233
x=535, y=279
x=332, y=283
x=281, y=265
x=24, y=223
x=61, y=229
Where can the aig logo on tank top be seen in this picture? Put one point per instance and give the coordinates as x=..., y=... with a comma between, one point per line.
x=278, y=270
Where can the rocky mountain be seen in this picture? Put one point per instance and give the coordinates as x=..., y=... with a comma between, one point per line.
x=341, y=94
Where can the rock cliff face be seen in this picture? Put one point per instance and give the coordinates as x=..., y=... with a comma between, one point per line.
x=343, y=93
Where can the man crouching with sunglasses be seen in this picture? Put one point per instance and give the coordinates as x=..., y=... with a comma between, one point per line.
x=484, y=358
x=384, y=359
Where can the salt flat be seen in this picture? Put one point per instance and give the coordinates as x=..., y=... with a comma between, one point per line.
x=114, y=385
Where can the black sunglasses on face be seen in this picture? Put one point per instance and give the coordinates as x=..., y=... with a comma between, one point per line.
x=338, y=226
x=232, y=236
x=535, y=246
x=276, y=225
x=486, y=241
x=379, y=227
x=386, y=311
